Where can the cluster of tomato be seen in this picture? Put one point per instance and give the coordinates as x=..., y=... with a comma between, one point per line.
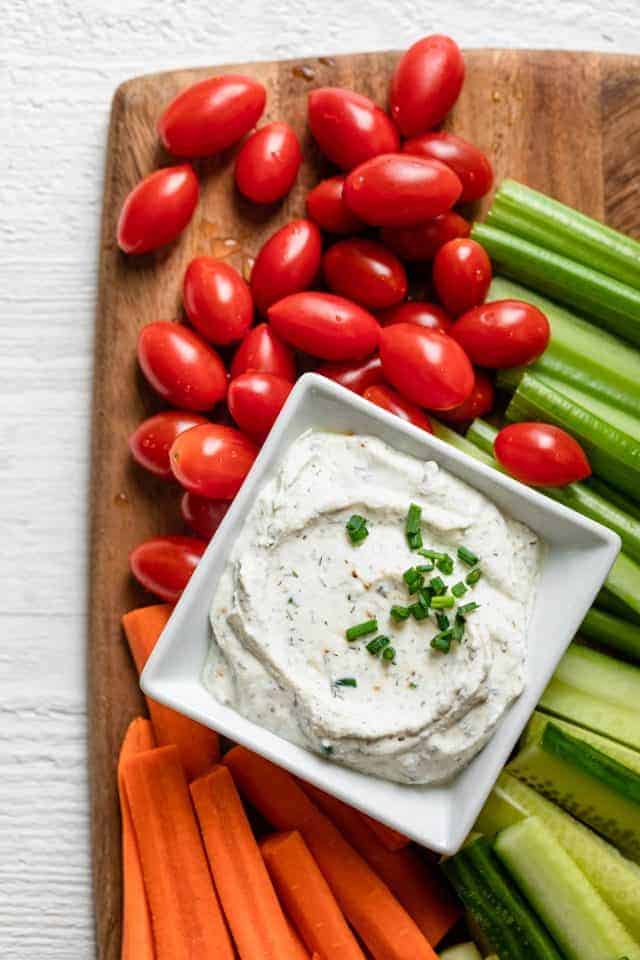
x=400, y=177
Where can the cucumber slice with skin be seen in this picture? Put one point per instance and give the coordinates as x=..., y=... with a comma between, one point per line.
x=570, y=907
x=563, y=700
x=574, y=773
x=617, y=751
x=616, y=878
x=611, y=631
x=463, y=951
x=471, y=891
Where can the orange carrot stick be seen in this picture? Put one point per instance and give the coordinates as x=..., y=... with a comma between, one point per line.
x=366, y=901
x=199, y=747
x=137, y=935
x=391, y=839
x=185, y=912
x=300, y=949
x=420, y=886
x=307, y=898
x=248, y=899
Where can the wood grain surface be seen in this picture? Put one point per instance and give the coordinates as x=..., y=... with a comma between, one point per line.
x=566, y=123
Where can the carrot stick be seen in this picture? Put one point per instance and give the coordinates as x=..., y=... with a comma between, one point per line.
x=248, y=899
x=199, y=747
x=366, y=901
x=307, y=898
x=391, y=839
x=420, y=886
x=137, y=935
x=300, y=952
x=185, y=912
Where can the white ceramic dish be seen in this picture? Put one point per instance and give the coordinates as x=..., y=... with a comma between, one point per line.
x=579, y=555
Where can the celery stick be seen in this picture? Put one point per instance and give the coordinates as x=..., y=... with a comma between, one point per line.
x=482, y=434
x=611, y=631
x=553, y=225
x=608, y=302
x=616, y=595
x=460, y=443
x=614, y=496
x=611, y=438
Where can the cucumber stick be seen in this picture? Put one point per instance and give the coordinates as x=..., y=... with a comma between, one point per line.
x=570, y=907
x=611, y=437
x=539, y=721
x=503, y=916
x=551, y=224
x=599, y=786
x=611, y=631
x=616, y=878
x=596, y=691
x=606, y=301
x=463, y=951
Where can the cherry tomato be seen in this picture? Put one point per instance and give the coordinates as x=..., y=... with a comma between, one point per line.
x=350, y=128
x=212, y=460
x=541, y=454
x=356, y=375
x=505, y=333
x=479, y=401
x=255, y=400
x=461, y=275
x=327, y=208
x=151, y=441
x=365, y=271
x=325, y=325
x=164, y=565
x=217, y=300
x=416, y=244
x=211, y=115
x=424, y=314
x=389, y=399
x=426, y=366
x=398, y=190
x=268, y=163
x=287, y=263
x=202, y=515
x=183, y=369
x=263, y=351
x=425, y=84
x=465, y=159
x=157, y=209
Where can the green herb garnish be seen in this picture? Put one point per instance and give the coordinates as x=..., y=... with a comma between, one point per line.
x=425, y=567
x=437, y=585
x=443, y=621
x=357, y=528
x=347, y=682
x=377, y=645
x=362, y=629
x=388, y=653
x=432, y=554
x=412, y=528
x=418, y=611
x=442, y=641
x=467, y=556
x=458, y=629
x=398, y=613
x=413, y=579
x=473, y=577
x=445, y=565
x=467, y=608
x=442, y=602
x=458, y=589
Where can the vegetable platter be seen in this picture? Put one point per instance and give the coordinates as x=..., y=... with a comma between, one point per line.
x=563, y=123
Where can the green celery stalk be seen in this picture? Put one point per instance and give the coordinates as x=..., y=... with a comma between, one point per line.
x=602, y=488
x=610, y=437
x=611, y=631
x=576, y=496
x=578, y=352
x=608, y=302
x=461, y=443
x=551, y=224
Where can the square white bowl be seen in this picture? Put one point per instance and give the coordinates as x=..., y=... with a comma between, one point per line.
x=578, y=557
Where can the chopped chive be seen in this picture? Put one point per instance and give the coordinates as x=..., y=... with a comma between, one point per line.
x=357, y=528
x=418, y=611
x=458, y=629
x=445, y=565
x=377, y=645
x=473, y=577
x=442, y=602
x=443, y=621
x=458, y=589
x=347, y=682
x=413, y=518
x=413, y=579
x=412, y=685
x=327, y=749
x=398, y=613
x=442, y=641
x=467, y=608
x=424, y=597
x=414, y=540
x=438, y=585
x=361, y=629
x=432, y=554
x=467, y=556
x=388, y=653
x=425, y=567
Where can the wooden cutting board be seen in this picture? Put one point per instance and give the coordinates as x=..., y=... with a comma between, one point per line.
x=566, y=123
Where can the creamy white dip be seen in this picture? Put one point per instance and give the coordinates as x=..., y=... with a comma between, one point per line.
x=295, y=582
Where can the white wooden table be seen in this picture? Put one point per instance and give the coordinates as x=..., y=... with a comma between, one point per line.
x=61, y=60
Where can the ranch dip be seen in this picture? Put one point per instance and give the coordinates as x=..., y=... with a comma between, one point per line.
x=296, y=582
